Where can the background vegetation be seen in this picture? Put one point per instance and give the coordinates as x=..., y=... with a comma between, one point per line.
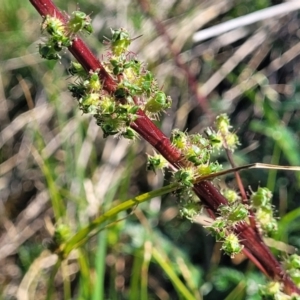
x=49, y=150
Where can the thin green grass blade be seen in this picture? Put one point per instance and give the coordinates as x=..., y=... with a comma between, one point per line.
x=55, y=196
x=100, y=263
x=50, y=291
x=168, y=269
x=99, y=286
x=136, y=275
x=85, y=275
x=145, y=268
x=84, y=234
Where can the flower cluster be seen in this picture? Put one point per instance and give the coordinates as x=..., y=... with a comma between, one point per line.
x=261, y=203
x=222, y=228
x=292, y=265
x=136, y=84
x=113, y=117
x=222, y=136
x=274, y=290
x=196, y=151
x=61, y=35
x=231, y=195
x=156, y=162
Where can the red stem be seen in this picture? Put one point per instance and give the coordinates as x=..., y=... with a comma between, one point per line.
x=209, y=195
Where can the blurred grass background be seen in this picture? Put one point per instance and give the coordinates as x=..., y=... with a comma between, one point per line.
x=54, y=158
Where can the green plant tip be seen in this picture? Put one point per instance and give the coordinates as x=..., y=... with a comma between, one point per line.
x=120, y=41
x=231, y=245
x=261, y=198
x=80, y=22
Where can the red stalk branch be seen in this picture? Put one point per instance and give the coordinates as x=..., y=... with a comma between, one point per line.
x=209, y=195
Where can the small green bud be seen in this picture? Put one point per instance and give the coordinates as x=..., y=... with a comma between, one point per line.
x=94, y=83
x=270, y=289
x=295, y=274
x=264, y=217
x=199, y=140
x=89, y=103
x=197, y=155
x=131, y=87
x=155, y=162
x=261, y=198
x=218, y=229
x=109, y=127
x=157, y=103
x=206, y=169
x=77, y=69
x=129, y=134
x=232, y=141
x=107, y=105
x=61, y=234
x=48, y=52
x=179, y=139
x=231, y=195
x=185, y=177
x=223, y=123
x=77, y=90
x=53, y=26
x=190, y=210
x=231, y=245
x=293, y=262
x=214, y=138
x=120, y=41
x=234, y=213
x=147, y=83
x=238, y=213
x=80, y=22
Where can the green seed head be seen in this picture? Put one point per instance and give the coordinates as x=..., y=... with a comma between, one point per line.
x=47, y=51
x=107, y=105
x=214, y=138
x=80, y=22
x=231, y=245
x=156, y=162
x=89, y=103
x=129, y=134
x=120, y=41
x=157, y=103
x=94, y=82
x=77, y=90
x=179, y=139
x=77, y=69
x=231, y=195
x=293, y=262
x=261, y=198
x=61, y=234
x=53, y=26
x=185, y=177
x=190, y=210
x=223, y=123
x=265, y=219
x=218, y=229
